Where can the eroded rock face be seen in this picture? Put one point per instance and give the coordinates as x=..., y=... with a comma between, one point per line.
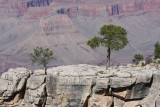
x=12, y=86
x=82, y=86
x=57, y=24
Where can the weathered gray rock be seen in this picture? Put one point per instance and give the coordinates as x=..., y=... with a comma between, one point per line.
x=102, y=85
x=157, y=102
x=36, y=94
x=51, y=84
x=106, y=75
x=3, y=86
x=143, y=77
x=138, y=91
x=35, y=81
x=122, y=74
x=81, y=86
x=154, y=92
x=11, y=83
x=116, y=82
x=39, y=72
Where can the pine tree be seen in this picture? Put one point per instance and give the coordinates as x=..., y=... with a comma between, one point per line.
x=157, y=51
x=41, y=56
x=112, y=37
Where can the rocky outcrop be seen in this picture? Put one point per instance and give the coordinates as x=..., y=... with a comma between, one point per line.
x=12, y=86
x=81, y=86
x=35, y=90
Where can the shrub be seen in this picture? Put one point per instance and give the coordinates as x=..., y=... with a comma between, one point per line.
x=137, y=58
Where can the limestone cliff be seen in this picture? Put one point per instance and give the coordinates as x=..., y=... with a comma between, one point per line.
x=81, y=86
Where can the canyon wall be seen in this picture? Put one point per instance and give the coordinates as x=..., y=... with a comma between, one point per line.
x=17, y=8
x=81, y=86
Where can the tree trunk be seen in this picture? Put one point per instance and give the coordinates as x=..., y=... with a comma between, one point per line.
x=45, y=69
x=108, y=57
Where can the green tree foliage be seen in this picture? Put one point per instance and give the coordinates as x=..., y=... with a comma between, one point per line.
x=41, y=56
x=157, y=51
x=137, y=58
x=112, y=37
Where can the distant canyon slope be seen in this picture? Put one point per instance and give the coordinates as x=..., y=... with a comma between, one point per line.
x=66, y=25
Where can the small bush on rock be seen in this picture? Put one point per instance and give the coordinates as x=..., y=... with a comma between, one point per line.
x=137, y=58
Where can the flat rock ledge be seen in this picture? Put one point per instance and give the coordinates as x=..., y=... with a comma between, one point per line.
x=81, y=86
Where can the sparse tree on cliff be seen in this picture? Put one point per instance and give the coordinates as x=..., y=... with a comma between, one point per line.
x=113, y=38
x=42, y=56
x=137, y=58
x=157, y=51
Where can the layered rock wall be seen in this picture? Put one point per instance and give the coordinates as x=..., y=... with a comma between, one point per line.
x=17, y=8
x=81, y=86
x=132, y=6
x=56, y=24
